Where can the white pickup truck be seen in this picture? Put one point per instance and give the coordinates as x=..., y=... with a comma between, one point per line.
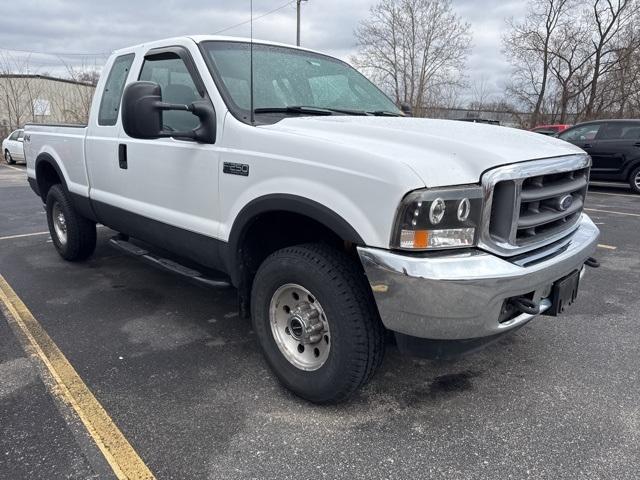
x=336, y=217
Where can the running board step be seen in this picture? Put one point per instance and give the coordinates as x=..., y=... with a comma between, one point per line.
x=167, y=264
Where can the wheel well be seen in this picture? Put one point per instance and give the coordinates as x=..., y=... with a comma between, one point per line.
x=272, y=231
x=46, y=176
x=632, y=168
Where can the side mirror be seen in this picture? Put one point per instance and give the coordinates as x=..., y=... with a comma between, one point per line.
x=142, y=109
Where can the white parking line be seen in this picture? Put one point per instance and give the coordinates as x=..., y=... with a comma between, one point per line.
x=615, y=194
x=609, y=211
x=10, y=237
x=13, y=168
x=607, y=247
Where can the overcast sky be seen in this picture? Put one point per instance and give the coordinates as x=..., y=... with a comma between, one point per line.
x=73, y=26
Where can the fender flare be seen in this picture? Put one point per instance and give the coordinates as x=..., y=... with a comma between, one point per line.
x=47, y=158
x=285, y=203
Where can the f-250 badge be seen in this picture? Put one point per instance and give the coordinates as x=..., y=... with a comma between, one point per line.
x=236, y=169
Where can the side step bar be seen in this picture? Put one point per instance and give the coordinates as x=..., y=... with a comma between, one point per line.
x=166, y=264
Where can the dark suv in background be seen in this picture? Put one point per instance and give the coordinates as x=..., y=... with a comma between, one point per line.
x=614, y=146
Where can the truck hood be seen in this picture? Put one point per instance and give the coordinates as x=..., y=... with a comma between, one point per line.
x=440, y=152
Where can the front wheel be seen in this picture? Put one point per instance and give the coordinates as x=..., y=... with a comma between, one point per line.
x=634, y=180
x=73, y=235
x=316, y=321
x=8, y=158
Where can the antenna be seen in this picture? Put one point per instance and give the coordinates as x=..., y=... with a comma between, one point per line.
x=252, y=115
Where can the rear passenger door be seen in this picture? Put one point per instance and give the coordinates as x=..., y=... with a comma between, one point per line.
x=617, y=145
x=17, y=149
x=101, y=143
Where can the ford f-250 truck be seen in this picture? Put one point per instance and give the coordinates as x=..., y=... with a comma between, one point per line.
x=336, y=217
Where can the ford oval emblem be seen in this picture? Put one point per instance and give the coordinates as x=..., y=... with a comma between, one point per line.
x=565, y=202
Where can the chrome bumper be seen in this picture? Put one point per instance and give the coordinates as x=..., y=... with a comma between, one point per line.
x=454, y=296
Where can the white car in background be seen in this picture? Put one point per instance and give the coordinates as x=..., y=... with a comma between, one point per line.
x=12, y=147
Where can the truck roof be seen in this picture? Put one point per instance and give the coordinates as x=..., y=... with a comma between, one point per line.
x=204, y=38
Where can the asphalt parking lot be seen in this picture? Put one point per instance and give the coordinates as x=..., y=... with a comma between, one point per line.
x=180, y=374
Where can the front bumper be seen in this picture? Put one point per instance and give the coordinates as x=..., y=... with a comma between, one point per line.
x=456, y=296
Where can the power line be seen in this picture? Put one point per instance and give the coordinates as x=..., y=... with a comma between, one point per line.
x=256, y=18
x=57, y=54
x=106, y=54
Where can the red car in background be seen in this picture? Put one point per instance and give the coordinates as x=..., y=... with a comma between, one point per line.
x=550, y=129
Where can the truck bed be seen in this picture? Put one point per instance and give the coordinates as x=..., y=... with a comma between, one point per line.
x=65, y=144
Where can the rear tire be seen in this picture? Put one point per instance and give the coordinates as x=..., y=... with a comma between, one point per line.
x=634, y=180
x=8, y=158
x=351, y=341
x=73, y=235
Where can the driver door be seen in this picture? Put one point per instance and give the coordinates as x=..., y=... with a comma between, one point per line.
x=170, y=185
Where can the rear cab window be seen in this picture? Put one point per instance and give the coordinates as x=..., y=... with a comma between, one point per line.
x=114, y=86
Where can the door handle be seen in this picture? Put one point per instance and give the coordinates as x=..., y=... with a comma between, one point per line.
x=587, y=145
x=637, y=144
x=122, y=156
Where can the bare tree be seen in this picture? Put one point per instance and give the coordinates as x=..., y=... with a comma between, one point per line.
x=527, y=45
x=414, y=49
x=83, y=75
x=481, y=97
x=610, y=18
x=569, y=64
x=18, y=90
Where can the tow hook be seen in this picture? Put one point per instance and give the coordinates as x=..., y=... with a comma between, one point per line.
x=592, y=262
x=525, y=305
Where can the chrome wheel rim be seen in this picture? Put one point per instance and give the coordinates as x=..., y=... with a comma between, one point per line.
x=7, y=157
x=59, y=223
x=637, y=181
x=299, y=327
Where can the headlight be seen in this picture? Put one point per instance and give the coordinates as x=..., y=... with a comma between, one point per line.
x=439, y=218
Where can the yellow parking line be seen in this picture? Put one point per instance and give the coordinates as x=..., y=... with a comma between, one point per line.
x=117, y=450
x=609, y=211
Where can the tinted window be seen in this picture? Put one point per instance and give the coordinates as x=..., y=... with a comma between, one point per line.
x=620, y=131
x=14, y=135
x=177, y=86
x=582, y=132
x=110, y=103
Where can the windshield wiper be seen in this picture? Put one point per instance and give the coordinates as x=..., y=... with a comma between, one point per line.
x=384, y=113
x=295, y=109
x=306, y=110
x=347, y=111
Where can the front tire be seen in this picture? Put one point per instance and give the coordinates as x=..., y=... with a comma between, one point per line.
x=634, y=180
x=315, y=318
x=73, y=235
x=8, y=158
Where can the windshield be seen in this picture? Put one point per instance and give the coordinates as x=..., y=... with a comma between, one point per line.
x=286, y=77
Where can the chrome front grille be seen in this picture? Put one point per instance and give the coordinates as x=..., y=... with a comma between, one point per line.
x=532, y=204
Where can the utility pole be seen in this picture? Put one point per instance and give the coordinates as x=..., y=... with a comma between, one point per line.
x=298, y=2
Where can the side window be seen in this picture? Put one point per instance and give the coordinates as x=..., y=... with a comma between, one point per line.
x=112, y=94
x=177, y=86
x=582, y=133
x=629, y=131
x=14, y=135
x=632, y=132
x=613, y=131
x=20, y=135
